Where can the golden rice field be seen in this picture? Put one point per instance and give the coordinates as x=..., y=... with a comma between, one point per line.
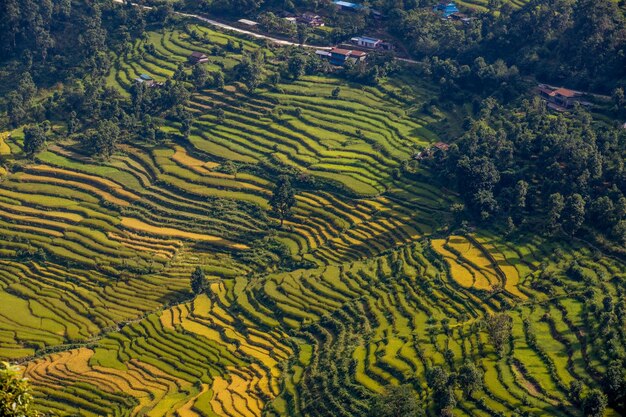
x=370, y=289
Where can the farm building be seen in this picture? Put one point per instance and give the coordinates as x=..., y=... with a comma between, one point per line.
x=559, y=98
x=339, y=56
x=310, y=19
x=428, y=153
x=371, y=43
x=248, y=23
x=197, y=58
x=446, y=9
x=346, y=5
x=145, y=79
x=366, y=42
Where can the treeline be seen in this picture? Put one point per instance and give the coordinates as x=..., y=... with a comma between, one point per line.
x=531, y=168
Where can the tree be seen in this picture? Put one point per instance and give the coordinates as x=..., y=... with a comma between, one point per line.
x=218, y=79
x=556, y=205
x=103, y=140
x=573, y=214
x=199, y=75
x=16, y=108
x=34, y=139
x=470, y=378
x=15, y=397
x=296, y=65
x=396, y=401
x=595, y=403
x=303, y=33
x=249, y=72
x=575, y=391
x=283, y=198
x=335, y=93
x=199, y=282
x=499, y=331
x=615, y=381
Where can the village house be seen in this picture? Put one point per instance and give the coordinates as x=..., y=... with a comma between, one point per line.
x=371, y=43
x=145, y=79
x=197, y=58
x=559, y=98
x=339, y=56
x=346, y=5
x=430, y=152
x=310, y=19
x=366, y=42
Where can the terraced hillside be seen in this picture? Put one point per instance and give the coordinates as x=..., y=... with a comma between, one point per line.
x=96, y=259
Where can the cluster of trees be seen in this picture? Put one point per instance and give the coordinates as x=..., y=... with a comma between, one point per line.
x=582, y=43
x=526, y=166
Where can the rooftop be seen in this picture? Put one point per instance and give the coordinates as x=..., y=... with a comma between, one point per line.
x=565, y=92
x=340, y=51
x=347, y=4
x=366, y=39
x=247, y=22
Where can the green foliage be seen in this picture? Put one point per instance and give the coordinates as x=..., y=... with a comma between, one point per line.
x=34, y=139
x=15, y=397
x=396, y=401
x=199, y=281
x=283, y=198
x=470, y=378
x=499, y=331
x=102, y=141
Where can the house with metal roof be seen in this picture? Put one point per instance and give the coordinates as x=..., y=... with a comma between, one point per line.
x=346, y=5
x=366, y=42
x=144, y=79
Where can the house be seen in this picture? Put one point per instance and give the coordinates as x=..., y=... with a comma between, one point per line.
x=145, y=79
x=441, y=146
x=446, y=9
x=248, y=23
x=366, y=42
x=346, y=5
x=559, y=98
x=197, y=58
x=339, y=56
x=430, y=152
x=323, y=54
x=310, y=19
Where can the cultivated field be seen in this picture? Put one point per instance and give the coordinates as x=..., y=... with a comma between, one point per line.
x=96, y=258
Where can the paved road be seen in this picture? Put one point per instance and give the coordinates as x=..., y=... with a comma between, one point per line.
x=256, y=35
x=235, y=29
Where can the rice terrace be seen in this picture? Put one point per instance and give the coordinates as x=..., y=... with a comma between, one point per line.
x=312, y=208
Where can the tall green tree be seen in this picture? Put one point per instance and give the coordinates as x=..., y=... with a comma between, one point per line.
x=283, y=198
x=199, y=282
x=470, y=378
x=499, y=331
x=34, y=139
x=103, y=140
